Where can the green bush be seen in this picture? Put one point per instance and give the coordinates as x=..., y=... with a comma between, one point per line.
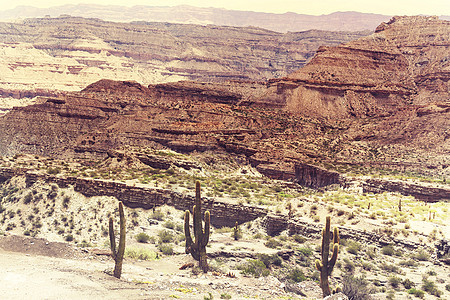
x=140, y=253
x=165, y=249
x=272, y=243
x=142, y=237
x=417, y=293
x=429, y=287
x=296, y=275
x=169, y=224
x=390, y=268
x=269, y=260
x=353, y=247
x=356, y=288
x=349, y=266
x=68, y=238
x=388, y=250
x=299, y=239
x=422, y=255
x=306, y=251
x=157, y=215
x=408, y=284
x=394, y=281
x=165, y=236
x=254, y=267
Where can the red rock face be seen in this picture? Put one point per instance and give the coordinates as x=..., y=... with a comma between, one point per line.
x=357, y=104
x=405, y=61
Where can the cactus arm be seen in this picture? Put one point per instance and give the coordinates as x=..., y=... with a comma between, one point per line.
x=205, y=238
x=326, y=241
x=318, y=265
x=336, y=237
x=187, y=232
x=112, y=239
x=333, y=259
x=121, y=250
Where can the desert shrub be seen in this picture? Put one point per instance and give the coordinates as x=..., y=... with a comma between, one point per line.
x=27, y=233
x=299, y=239
x=68, y=238
x=388, y=250
x=157, y=215
x=422, y=255
x=165, y=236
x=84, y=244
x=66, y=201
x=272, y=243
x=165, y=249
x=254, y=267
x=142, y=237
x=269, y=260
x=169, y=224
x=417, y=293
x=390, y=268
x=371, y=252
x=28, y=198
x=225, y=296
x=408, y=263
x=353, y=247
x=140, y=253
x=408, y=284
x=349, y=266
x=447, y=287
x=394, y=281
x=305, y=251
x=53, y=171
x=429, y=287
x=356, y=288
x=296, y=275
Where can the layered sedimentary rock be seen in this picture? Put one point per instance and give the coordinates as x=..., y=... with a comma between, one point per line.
x=405, y=61
x=40, y=56
x=387, y=124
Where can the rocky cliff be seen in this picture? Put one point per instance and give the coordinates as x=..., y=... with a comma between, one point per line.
x=274, y=125
x=404, y=62
x=67, y=53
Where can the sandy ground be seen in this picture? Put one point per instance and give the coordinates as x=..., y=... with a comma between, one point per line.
x=28, y=272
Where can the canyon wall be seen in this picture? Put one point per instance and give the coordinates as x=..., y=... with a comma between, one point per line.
x=404, y=62
x=44, y=55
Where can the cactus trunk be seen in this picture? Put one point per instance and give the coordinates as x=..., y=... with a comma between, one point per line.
x=197, y=246
x=117, y=254
x=326, y=266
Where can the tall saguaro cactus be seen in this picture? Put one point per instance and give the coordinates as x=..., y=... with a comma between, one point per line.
x=197, y=247
x=326, y=266
x=117, y=254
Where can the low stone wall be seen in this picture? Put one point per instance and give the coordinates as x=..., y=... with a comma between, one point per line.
x=275, y=224
x=222, y=213
x=422, y=192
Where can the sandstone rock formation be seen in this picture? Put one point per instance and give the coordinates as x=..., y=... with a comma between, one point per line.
x=361, y=106
x=41, y=56
x=404, y=62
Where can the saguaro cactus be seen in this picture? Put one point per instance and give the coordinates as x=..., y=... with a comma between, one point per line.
x=326, y=266
x=197, y=247
x=117, y=254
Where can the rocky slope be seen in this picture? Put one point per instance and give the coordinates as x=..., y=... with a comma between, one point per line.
x=41, y=56
x=404, y=62
x=353, y=117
